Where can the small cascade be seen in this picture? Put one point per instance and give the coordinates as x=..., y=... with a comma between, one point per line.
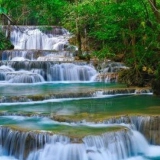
x=112, y=146
x=58, y=58
x=107, y=77
x=60, y=151
x=19, y=59
x=9, y=75
x=19, y=143
x=23, y=77
x=119, y=145
x=33, y=55
x=112, y=67
x=3, y=71
x=10, y=55
x=34, y=37
x=147, y=125
x=71, y=72
x=123, y=144
x=37, y=71
x=108, y=71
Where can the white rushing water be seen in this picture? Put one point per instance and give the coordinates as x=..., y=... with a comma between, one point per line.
x=127, y=144
x=4, y=157
x=34, y=43
x=105, y=147
x=28, y=37
x=36, y=72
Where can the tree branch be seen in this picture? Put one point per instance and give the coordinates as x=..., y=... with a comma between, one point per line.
x=8, y=17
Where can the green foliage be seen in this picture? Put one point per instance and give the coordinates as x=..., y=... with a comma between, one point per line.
x=4, y=43
x=35, y=12
x=105, y=52
x=129, y=28
x=3, y=10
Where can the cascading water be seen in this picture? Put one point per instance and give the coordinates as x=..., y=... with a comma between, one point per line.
x=108, y=71
x=20, y=144
x=38, y=57
x=112, y=146
x=33, y=55
x=32, y=43
x=33, y=72
x=32, y=37
x=37, y=45
x=71, y=72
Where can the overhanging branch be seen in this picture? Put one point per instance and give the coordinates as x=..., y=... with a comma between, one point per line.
x=8, y=18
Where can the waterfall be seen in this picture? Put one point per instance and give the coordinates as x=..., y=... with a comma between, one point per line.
x=37, y=71
x=33, y=37
x=44, y=55
x=108, y=71
x=60, y=151
x=71, y=72
x=35, y=43
x=111, y=146
x=34, y=55
x=23, y=77
x=10, y=75
x=20, y=143
x=123, y=144
x=3, y=70
x=147, y=125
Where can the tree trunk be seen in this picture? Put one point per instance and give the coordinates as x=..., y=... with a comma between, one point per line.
x=9, y=30
x=79, y=42
x=155, y=10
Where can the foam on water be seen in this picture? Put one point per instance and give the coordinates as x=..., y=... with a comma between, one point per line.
x=55, y=100
x=136, y=158
x=153, y=151
x=33, y=38
x=15, y=117
x=19, y=59
x=63, y=100
x=7, y=158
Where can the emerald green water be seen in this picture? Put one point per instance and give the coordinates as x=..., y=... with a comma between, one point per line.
x=116, y=105
x=33, y=89
x=24, y=114
x=43, y=123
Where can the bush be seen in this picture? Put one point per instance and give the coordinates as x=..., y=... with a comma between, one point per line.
x=133, y=77
x=4, y=42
